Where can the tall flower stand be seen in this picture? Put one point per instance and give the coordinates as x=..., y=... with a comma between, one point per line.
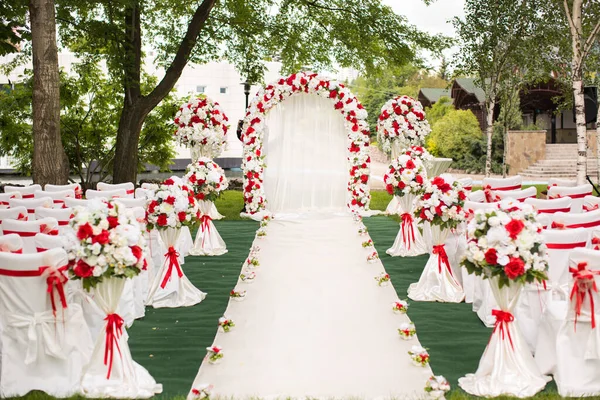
x=437, y=282
x=208, y=241
x=393, y=208
x=112, y=371
x=170, y=287
x=409, y=241
x=507, y=366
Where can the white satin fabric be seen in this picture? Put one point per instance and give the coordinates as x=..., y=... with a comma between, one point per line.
x=40, y=351
x=314, y=322
x=438, y=166
x=409, y=248
x=484, y=301
x=505, y=368
x=433, y=285
x=128, y=379
x=208, y=241
x=306, y=156
x=178, y=291
x=185, y=243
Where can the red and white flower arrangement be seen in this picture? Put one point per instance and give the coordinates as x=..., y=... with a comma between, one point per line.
x=214, y=354
x=421, y=153
x=252, y=261
x=407, y=330
x=383, y=279
x=436, y=387
x=442, y=203
x=202, y=392
x=237, y=295
x=405, y=176
x=373, y=257
x=506, y=242
x=362, y=229
x=400, y=307
x=402, y=118
x=206, y=179
x=342, y=100
x=201, y=123
x=367, y=244
x=171, y=205
x=226, y=324
x=419, y=356
x=248, y=276
x=261, y=233
x=105, y=241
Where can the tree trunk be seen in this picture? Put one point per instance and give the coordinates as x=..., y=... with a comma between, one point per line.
x=489, y=133
x=126, y=148
x=504, y=150
x=598, y=144
x=581, y=129
x=50, y=163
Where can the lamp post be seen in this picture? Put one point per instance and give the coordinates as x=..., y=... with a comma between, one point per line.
x=247, y=88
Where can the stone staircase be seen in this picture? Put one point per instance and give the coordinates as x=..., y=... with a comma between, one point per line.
x=560, y=162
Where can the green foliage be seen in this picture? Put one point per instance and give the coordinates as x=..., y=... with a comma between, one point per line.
x=438, y=110
x=90, y=112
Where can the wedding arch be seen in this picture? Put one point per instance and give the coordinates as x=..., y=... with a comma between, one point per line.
x=356, y=126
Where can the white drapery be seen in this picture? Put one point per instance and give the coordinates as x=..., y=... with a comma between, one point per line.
x=306, y=156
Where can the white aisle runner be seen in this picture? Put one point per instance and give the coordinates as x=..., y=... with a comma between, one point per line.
x=314, y=322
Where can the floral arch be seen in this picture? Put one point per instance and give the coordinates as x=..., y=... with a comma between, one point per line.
x=253, y=163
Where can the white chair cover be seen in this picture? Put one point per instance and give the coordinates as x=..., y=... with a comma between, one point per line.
x=62, y=215
x=4, y=197
x=477, y=196
x=561, y=182
x=491, y=185
x=208, y=241
x=31, y=204
x=561, y=220
x=76, y=187
x=109, y=187
x=130, y=203
x=45, y=242
x=519, y=194
x=545, y=207
x=19, y=213
x=11, y=243
x=591, y=203
x=106, y=194
x=57, y=197
x=467, y=183
x=576, y=193
x=149, y=186
x=25, y=192
x=42, y=349
x=28, y=229
x=409, y=241
x=141, y=193
x=72, y=203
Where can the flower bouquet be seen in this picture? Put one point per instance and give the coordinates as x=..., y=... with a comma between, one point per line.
x=261, y=233
x=171, y=206
x=237, y=295
x=506, y=247
x=247, y=276
x=225, y=324
x=405, y=179
x=208, y=181
x=400, y=307
x=214, y=354
x=373, y=257
x=407, y=330
x=401, y=123
x=265, y=221
x=201, y=126
x=105, y=247
x=201, y=392
x=441, y=208
x=419, y=356
x=436, y=387
x=252, y=261
x=367, y=244
x=362, y=229
x=383, y=279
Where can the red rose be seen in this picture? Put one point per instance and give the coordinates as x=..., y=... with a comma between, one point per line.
x=137, y=252
x=390, y=189
x=169, y=182
x=461, y=195
x=85, y=231
x=410, y=164
x=182, y=215
x=192, y=178
x=364, y=178
x=200, y=196
x=170, y=200
x=491, y=257
x=401, y=185
x=101, y=238
x=162, y=220
x=514, y=227
x=152, y=206
x=514, y=268
x=419, y=179
x=112, y=221
x=83, y=270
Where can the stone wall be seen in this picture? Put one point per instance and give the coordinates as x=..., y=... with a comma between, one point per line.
x=524, y=149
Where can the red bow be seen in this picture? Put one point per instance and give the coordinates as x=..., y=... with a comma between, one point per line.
x=130, y=191
x=173, y=259
x=590, y=208
x=55, y=280
x=502, y=320
x=22, y=217
x=114, y=329
x=440, y=250
x=487, y=190
x=48, y=230
x=583, y=283
x=596, y=242
x=558, y=225
x=205, y=225
x=407, y=223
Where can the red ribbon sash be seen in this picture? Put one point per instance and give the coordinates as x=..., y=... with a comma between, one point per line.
x=440, y=250
x=590, y=208
x=573, y=196
x=502, y=320
x=468, y=187
x=408, y=230
x=205, y=225
x=172, y=257
x=554, y=210
x=583, y=284
x=22, y=234
x=114, y=330
x=565, y=246
x=130, y=191
x=27, y=196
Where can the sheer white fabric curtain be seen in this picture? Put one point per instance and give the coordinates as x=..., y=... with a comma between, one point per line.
x=305, y=146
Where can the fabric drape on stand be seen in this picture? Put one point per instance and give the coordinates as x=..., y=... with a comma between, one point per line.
x=306, y=156
x=208, y=241
x=409, y=241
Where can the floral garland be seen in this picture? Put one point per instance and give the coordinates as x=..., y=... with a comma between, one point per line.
x=405, y=176
x=206, y=179
x=442, y=203
x=402, y=118
x=506, y=243
x=201, y=123
x=171, y=205
x=105, y=241
x=342, y=99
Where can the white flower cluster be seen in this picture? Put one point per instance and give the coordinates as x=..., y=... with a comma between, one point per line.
x=206, y=179
x=254, y=126
x=421, y=153
x=406, y=175
x=171, y=205
x=436, y=386
x=402, y=118
x=201, y=123
x=508, y=242
x=105, y=240
x=442, y=202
